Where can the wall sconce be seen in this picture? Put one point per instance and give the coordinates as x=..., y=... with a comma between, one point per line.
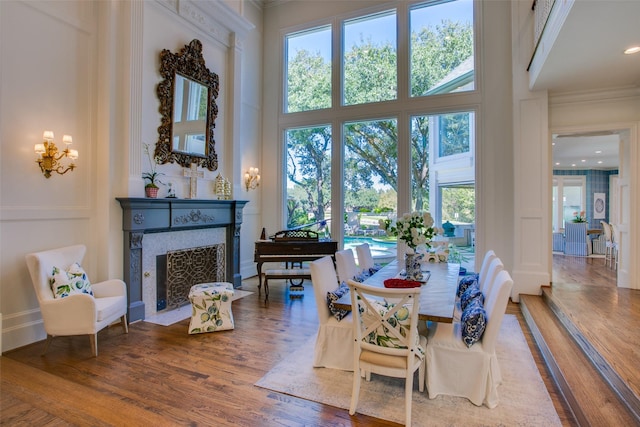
x=49, y=156
x=251, y=179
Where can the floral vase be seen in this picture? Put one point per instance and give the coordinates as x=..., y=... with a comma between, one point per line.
x=412, y=267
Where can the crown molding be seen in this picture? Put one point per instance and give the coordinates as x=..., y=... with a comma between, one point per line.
x=215, y=19
x=594, y=95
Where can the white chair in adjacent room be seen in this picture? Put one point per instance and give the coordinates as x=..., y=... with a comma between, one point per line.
x=473, y=372
x=74, y=311
x=386, y=340
x=333, y=348
x=346, y=265
x=614, y=244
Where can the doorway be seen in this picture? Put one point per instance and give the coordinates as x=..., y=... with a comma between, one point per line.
x=586, y=167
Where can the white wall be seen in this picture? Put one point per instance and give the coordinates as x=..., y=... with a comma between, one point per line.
x=90, y=69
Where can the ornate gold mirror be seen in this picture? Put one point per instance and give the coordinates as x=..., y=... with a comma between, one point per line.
x=188, y=107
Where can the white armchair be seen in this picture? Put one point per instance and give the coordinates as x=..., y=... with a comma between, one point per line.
x=76, y=314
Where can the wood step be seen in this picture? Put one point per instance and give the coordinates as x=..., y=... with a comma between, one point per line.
x=596, y=343
x=589, y=396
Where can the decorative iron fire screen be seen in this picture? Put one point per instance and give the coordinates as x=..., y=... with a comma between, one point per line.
x=188, y=267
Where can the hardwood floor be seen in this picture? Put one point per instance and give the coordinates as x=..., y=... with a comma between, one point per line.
x=159, y=375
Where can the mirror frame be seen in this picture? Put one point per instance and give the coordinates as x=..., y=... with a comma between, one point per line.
x=189, y=63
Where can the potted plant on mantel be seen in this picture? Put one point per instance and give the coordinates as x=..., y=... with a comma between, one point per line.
x=151, y=188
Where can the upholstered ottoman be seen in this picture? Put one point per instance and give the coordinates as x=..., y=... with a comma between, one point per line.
x=211, y=303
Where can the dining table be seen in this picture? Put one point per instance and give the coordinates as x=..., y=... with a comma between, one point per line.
x=437, y=294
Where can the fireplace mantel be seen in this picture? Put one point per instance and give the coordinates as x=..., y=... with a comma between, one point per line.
x=145, y=215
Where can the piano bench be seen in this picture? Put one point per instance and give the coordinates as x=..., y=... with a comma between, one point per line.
x=285, y=273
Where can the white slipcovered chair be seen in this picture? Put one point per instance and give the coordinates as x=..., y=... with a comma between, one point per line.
x=346, y=265
x=485, y=281
x=77, y=313
x=386, y=340
x=334, y=341
x=365, y=258
x=472, y=372
x=484, y=268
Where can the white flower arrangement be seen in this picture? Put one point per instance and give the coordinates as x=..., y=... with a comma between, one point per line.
x=415, y=229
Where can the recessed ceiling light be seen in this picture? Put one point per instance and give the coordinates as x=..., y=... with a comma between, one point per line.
x=599, y=162
x=557, y=163
x=631, y=50
x=598, y=151
x=573, y=164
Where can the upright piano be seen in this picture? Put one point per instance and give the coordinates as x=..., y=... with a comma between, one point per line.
x=292, y=247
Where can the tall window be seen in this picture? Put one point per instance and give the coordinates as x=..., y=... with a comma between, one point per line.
x=374, y=123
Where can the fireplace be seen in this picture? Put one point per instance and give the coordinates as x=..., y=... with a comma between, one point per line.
x=155, y=227
x=178, y=271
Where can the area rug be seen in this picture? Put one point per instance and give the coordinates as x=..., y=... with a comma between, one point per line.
x=170, y=317
x=524, y=400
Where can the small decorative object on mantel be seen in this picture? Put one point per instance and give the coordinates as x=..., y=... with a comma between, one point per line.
x=416, y=230
x=151, y=188
x=227, y=189
x=170, y=193
x=193, y=175
x=219, y=186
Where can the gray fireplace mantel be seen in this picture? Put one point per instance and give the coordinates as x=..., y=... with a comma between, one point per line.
x=144, y=215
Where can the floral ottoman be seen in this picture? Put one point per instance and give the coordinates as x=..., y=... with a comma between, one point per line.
x=211, y=303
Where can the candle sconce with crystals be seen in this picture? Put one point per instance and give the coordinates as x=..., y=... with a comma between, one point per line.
x=252, y=179
x=50, y=158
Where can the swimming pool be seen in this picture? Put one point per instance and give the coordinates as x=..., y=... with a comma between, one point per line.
x=382, y=252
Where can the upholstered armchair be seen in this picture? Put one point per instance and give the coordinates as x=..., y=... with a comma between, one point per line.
x=69, y=309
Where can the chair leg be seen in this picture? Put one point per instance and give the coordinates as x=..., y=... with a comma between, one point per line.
x=408, y=398
x=123, y=320
x=93, y=338
x=47, y=344
x=355, y=393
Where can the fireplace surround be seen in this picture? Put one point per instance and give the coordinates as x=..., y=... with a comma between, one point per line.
x=149, y=216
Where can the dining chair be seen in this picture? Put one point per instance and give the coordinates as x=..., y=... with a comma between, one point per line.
x=386, y=339
x=473, y=372
x=608, y=252
x=576, y=242
x=332, y=348
x=346, y=266
x=485, y=284
x=365, y=259
x=74, y=306
x=489, y=256
x=614, y=245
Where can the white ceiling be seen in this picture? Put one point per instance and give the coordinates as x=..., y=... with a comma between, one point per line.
x=587, y=56
x=582, y=151
x=588, y=52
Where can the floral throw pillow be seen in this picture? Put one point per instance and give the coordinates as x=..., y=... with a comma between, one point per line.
x=334, y=296
x=210, y=308
x=68, y=282
x=383, y=337
x=473, y=322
